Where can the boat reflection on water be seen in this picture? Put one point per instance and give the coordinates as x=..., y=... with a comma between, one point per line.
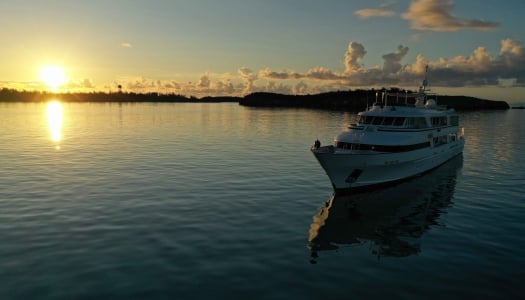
x=390, y=220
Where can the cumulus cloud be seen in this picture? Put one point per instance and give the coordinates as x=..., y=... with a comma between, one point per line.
x=353, y=57
x=300, y=88
x=321, y=73
x=81, y=84
x=384, y=10
x=436, y=15
x=479, y=68
x=141, y=83
x=248, y=77
x=204, y=81
x=208, y=84
x=511, y=46
x=268, y=73
x=392, y=61
x=274, y=87
x=224, y=87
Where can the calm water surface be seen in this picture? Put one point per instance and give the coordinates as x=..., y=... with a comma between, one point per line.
x=209, y=201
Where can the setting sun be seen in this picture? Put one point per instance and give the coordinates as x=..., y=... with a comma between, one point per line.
x=53, y=76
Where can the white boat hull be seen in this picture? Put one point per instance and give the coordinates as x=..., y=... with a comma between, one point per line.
x=350, y=169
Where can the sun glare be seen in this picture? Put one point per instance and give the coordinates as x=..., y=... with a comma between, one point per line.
x=54, y=119
x=53, y=76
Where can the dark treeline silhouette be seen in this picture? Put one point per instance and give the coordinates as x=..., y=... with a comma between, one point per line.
x=11, y=95
x=356, y=100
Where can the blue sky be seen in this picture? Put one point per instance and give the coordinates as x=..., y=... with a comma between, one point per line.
x=234, y=47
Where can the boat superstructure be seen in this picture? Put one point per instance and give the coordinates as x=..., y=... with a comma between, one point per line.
x=402, y=136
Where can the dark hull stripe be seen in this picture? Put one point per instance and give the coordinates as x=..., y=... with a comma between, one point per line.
x=405, y=129
x=382, y=148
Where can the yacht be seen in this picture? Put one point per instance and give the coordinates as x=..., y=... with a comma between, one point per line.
x=399, y=137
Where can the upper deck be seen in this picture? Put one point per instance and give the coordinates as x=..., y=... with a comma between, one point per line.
x=407, y=111
x=405, y=117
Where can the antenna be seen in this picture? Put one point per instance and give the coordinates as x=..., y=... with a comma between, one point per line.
x=425, y=81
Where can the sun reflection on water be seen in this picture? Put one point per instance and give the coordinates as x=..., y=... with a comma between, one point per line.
x=54, y=120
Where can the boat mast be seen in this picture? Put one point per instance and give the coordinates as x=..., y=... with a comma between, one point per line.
x=422, y=90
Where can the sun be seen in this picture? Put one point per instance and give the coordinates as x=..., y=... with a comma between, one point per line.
x=53, y=76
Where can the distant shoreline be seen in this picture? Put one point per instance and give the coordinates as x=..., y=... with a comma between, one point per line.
x=356, y=100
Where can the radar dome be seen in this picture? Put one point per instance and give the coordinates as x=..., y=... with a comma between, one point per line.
x=430, y=103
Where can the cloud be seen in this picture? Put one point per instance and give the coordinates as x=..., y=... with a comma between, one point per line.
x=320, y=73
x=384, y=10
x=392, y=60
x=126, y=45
x=248, y=77
x=208, y=85
x=224, y=87
x=204, y=81
x=480, y=68
x=140, y=83
x=436, y=15
x=300, y=88
x=353, y=57
x=511, y=47
x=81, y=84
x=268, y=73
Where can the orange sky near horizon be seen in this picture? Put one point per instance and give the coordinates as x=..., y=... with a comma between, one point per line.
x=205, y=48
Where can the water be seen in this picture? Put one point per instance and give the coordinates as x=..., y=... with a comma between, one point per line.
x=209, y=201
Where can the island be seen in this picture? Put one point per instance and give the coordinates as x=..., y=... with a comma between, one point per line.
x=356, y=100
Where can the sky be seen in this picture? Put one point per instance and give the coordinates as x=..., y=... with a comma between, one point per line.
x=236, y=47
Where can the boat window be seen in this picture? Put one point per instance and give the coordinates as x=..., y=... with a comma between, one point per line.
x=438, y=121
x=368, y=119
x=377, y=120
x=381, y=148
x=399, y=121
x=387, y=121
x=421, y=123
x=440, y=140
x=454, y=120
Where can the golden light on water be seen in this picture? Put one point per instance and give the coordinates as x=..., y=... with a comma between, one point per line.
x=54, y=120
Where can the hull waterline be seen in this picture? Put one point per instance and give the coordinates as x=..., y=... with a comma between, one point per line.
x=356, y=172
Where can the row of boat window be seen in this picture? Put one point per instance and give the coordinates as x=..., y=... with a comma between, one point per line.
x=438, y=141
x=444, y=139
x=382, y=148
x=411, y=122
